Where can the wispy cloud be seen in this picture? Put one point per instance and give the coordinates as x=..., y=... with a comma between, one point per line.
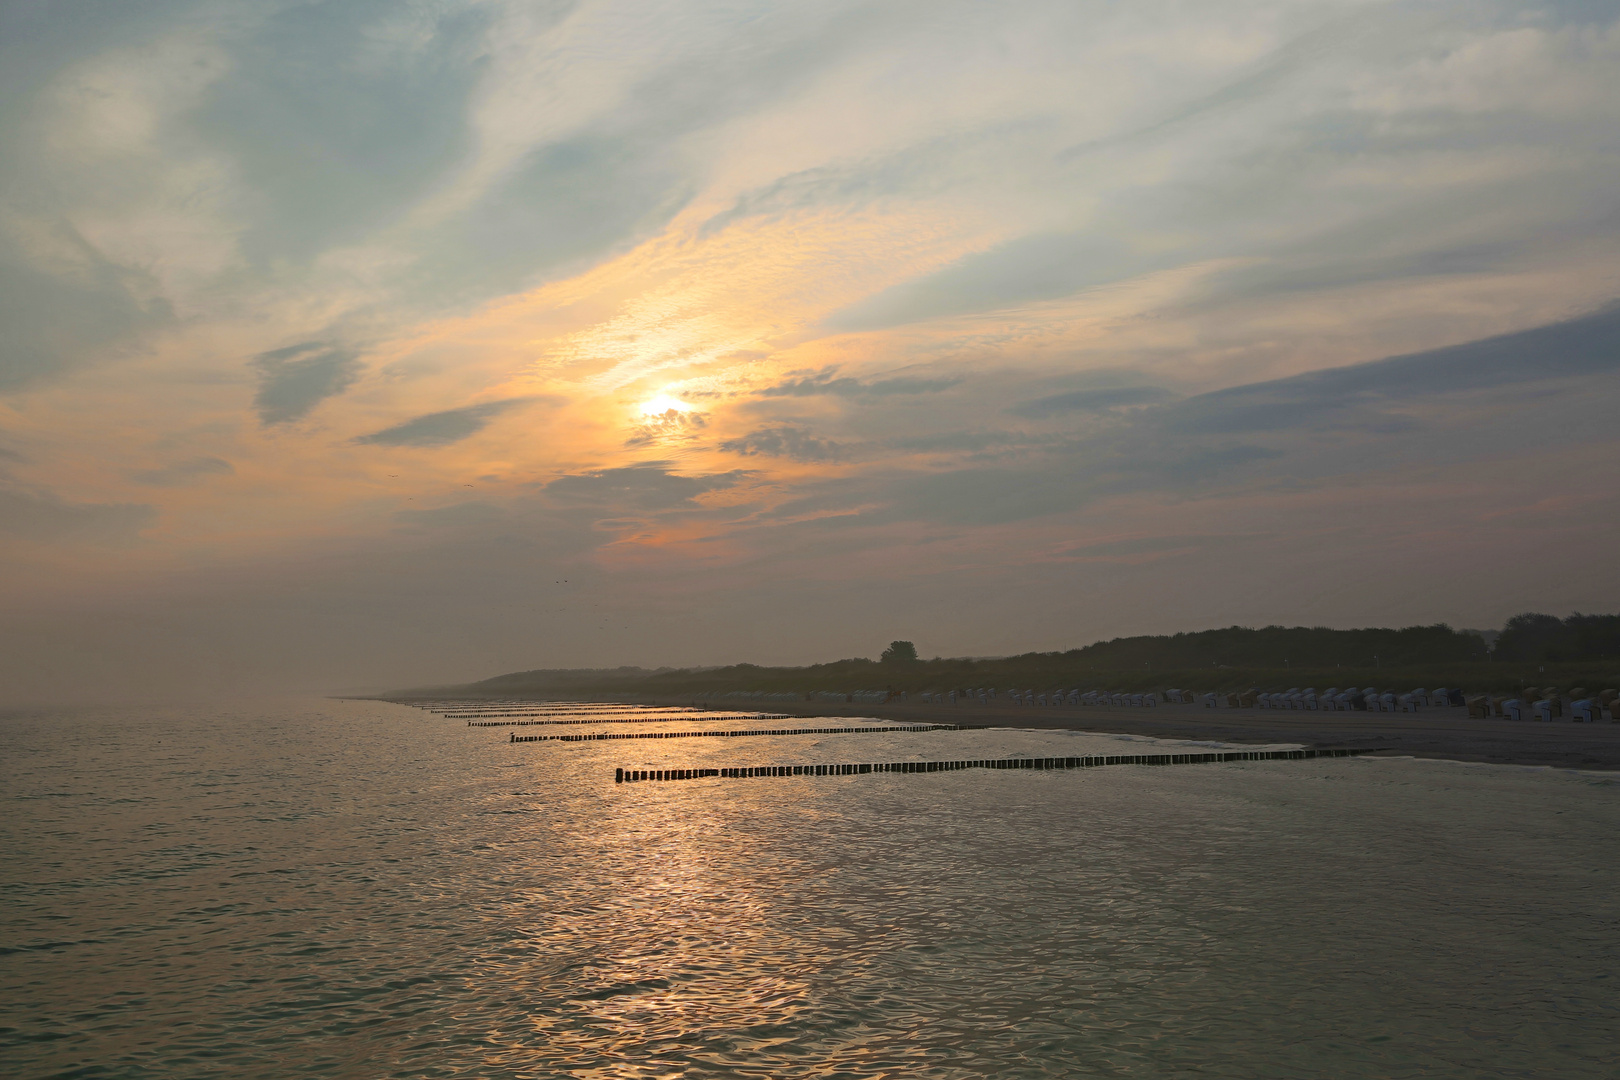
x=785, y=441
x=649, y=485
x=1092, y=400
x=44, y=517
x=184, y=472
x=828, y=382
x=441, y=428
x=295, y=379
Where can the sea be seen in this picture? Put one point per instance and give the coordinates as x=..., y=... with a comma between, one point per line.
x=346, y=888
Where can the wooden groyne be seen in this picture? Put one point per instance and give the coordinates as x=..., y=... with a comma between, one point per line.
x=600, y=736
x=462, y=714
x=624, y=776
x=685, y=719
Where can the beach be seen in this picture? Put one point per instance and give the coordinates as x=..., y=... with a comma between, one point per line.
x=1445, y=734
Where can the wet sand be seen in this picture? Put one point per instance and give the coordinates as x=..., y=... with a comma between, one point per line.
x=1432, y=733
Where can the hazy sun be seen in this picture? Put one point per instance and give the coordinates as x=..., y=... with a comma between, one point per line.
x=662, y=404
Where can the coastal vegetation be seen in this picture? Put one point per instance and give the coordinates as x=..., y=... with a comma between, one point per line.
x=1531, y=649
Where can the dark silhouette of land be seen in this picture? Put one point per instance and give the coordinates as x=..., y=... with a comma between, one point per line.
x=1532, y=656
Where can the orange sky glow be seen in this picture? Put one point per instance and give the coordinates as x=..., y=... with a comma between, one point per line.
x=433, y=343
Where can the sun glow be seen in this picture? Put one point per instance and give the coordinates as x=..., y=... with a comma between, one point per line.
x=663, y=404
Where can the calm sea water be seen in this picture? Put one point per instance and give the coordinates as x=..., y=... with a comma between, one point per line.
x=359, y=889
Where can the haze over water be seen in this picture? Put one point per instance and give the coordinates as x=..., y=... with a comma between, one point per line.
x=338, y=888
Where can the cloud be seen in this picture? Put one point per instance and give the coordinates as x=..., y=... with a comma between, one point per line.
x=668, y=426
x=43, y=517
x=622, y=168
x=294, y=380
x=964, y=441
x=63, y=304
x=441, y=428
x=824, y=382
x=341, y=114
x=1041, y=266
x=785, y=441
x=1585, y=346
x=1438, y=406
x=644, y=487
x=183, y=472
x=1092, y=401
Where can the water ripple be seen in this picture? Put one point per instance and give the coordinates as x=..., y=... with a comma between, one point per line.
x=360, y=890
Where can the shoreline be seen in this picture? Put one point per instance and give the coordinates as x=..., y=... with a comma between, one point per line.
x=1433, y=733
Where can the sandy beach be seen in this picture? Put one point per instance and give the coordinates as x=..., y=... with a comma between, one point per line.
x=1432, y=733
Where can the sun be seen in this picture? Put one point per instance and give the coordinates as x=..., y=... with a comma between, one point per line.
x=663, y=404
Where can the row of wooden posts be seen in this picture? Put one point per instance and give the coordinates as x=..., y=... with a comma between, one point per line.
x=481, y=714
x=625, y=776
x=600, y=736
x=683, y=718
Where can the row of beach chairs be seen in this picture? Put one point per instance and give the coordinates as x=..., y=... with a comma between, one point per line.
x=1083, y=697
x=1533, y=704
x=1547, y=704
x=1046, y=698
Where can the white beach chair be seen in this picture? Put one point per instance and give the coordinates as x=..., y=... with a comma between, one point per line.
x=1584, y=711
x=1513, y=708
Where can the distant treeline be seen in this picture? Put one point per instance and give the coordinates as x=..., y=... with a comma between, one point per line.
x=1236, y=657
x=1287, y=646
x=1559, y=641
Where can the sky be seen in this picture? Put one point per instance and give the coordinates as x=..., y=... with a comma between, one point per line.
x=362, y=344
